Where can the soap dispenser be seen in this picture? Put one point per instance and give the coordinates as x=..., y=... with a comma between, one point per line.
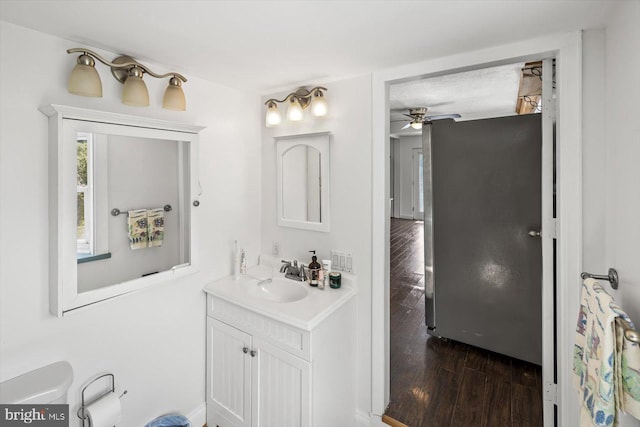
x=314, y=270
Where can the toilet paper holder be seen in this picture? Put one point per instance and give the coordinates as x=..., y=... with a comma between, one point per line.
x=81, y=413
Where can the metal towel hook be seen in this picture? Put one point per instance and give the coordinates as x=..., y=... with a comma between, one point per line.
x=612, y=277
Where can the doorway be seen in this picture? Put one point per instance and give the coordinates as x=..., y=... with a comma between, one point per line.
x=464, y=353
x=486, y=177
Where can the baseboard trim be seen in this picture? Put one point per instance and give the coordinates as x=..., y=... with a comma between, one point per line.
x=198, y=415
x=362, y=419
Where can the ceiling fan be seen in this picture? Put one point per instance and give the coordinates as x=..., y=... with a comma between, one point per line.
x=419, y=116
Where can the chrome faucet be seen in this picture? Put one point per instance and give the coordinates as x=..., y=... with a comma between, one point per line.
x=285, y=265
x=293, y=271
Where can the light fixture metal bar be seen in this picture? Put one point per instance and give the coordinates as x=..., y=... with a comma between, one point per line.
x=301, y=93
x=125, y=65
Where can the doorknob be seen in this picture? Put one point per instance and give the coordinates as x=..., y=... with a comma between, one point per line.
x=534, y=233
x=253, y=353
x=245, y=350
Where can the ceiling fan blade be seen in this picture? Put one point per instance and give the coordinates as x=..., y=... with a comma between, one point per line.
x=442, y=117
x=406, y=126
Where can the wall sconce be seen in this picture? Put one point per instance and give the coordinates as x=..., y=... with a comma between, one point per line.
x=85, y=81
x=298, y=102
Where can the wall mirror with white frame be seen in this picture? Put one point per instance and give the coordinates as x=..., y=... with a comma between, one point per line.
x=122, y=191
x=303, y=164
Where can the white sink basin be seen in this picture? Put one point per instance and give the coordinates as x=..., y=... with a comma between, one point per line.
x=278, y=290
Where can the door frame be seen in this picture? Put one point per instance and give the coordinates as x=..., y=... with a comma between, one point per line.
x=415, y=186
x=567, y=50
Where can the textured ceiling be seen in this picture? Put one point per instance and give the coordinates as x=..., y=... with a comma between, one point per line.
x=488, y=92
x=265, y=46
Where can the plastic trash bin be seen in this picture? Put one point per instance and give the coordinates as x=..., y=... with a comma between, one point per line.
x=172, y=420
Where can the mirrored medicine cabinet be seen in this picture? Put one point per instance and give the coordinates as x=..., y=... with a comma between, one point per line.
x=303, y=165
x=122, y=190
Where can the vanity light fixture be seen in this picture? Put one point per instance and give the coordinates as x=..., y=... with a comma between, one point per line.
x=298, y=102
x=85, y=81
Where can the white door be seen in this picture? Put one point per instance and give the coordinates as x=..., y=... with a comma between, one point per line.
x=229, y=376
x=417, y=198
x=280, y=386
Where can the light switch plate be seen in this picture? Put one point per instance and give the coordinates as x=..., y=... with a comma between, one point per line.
x=342, y=261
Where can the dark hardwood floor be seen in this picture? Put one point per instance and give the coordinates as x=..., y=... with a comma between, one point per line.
x=440, y=383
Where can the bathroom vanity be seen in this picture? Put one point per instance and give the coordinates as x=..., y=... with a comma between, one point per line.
x=280, y=353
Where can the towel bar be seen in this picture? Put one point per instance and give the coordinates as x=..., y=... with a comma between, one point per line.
x=629, y=333
x=116, y=211
x=612, y=277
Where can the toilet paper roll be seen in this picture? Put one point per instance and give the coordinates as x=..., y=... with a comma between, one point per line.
x=104, y=412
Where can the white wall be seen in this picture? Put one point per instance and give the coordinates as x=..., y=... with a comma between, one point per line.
x=153, y=340
x=595, y=176
x=622, y=144
x=403, y=170
x=611, y=149
x=349, y=121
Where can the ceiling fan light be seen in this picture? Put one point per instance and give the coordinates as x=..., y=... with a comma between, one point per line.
x=294, y=112
x=319, y=106
x=416, y=124
x=84, y=80
x=134, y=91
x=174, y=98
x=273, y=117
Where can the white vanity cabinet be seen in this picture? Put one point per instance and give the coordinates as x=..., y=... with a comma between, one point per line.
x=263, y=372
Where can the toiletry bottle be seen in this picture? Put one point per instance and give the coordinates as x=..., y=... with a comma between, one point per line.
x=326, y=269
x=243, y=262
x=314, y=269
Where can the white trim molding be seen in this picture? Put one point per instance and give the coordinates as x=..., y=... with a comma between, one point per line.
x=362, y=419
x=567, y=50
x=198, y=415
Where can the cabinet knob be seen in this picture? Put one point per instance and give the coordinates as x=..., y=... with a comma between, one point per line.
x=245, y=350
x=253, y=353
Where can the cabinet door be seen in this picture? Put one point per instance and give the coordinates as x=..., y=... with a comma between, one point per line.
x=281, y=387
x=229, y=376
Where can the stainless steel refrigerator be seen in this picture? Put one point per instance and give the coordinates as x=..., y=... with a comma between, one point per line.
x=483, y=258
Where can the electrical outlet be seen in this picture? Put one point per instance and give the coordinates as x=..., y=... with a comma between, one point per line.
x=342, y=261
x=275, y=248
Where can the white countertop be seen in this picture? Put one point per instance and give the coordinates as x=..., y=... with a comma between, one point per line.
x=304, y=314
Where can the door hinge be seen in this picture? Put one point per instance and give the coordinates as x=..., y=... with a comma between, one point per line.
x=551, y=393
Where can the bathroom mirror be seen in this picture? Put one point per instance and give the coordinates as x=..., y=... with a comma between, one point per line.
x=122, y=191
x=303, y=181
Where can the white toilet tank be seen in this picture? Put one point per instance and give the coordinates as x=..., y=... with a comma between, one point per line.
x=48, y=384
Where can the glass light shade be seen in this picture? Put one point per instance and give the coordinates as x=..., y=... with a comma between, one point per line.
x=174, y=98
x=294, y=112
x=416, y=124
x=273, y=117
x=85, y=81
x=135, y=92
x=319, y=106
